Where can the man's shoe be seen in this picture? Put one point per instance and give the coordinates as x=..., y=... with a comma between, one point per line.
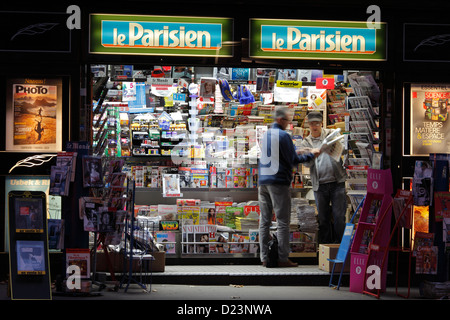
x=264, y=263
x=287, y=264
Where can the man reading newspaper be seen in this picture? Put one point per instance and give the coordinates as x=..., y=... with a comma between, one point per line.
x=328, y=178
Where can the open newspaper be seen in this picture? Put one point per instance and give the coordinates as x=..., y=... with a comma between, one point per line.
x=331, y=144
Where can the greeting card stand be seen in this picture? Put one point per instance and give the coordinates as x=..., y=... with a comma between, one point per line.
x=372, y=233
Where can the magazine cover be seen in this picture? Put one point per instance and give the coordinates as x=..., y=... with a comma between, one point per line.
x=60, y=180
x=55, y=233
x=253, y=235
x=107, y=220
x=207, y=87
x=426, y=260
x=167, y=239
x=29, y=214
x=206, y=234
x=67, y=159
x=30, y=257
x=80, y=258
x=114, y=166
x=171, y=185
x=89, y=212
x=92, y=172
x=34, y=115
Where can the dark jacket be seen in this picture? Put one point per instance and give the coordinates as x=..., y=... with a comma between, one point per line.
x=275, y=166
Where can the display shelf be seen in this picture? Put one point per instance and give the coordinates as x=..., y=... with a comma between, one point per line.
x=373, y=230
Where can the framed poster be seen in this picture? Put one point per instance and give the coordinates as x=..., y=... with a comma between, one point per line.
x=34, y=115
x=429, y=125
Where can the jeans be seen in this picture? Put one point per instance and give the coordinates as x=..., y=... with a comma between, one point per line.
x=331, y=202
x=278, y=199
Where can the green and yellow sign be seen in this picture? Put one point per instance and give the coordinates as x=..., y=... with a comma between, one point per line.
x=325, y=40
x=161, y=35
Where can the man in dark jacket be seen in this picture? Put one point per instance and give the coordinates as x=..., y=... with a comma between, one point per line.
x=278, y=158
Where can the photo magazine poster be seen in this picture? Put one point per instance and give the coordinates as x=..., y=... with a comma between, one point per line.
x=34, y=115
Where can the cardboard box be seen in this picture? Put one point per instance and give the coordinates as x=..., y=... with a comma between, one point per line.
x=117, y=262
x=329, y=251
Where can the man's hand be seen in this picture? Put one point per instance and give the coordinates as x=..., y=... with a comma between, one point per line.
x=315, y=152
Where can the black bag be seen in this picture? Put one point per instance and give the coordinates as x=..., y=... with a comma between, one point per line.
x=272, y=257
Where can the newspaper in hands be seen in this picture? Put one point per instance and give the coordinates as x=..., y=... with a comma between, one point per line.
x=330, y=145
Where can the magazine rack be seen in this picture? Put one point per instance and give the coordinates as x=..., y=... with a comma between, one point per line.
x=138, y=246
x=371, y=236
x=403, y=220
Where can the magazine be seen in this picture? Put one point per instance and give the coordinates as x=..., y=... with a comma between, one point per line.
x=106, y=220
x=81, y=258
x=365, y=241
x=59, y=180
x=55, y=234
x=171, y=185
x=90, y=212
x=92, y=172
x=422, y=240
x=426, y=260
x=29, y=214
x=30, y=257
x=168, y=240
x=67, y=159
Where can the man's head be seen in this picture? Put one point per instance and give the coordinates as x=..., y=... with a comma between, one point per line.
x=315, y=121
x=283, y=117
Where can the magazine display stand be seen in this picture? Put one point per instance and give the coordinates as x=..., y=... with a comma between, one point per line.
x=372, y=233
x=138, y=246
x=28, y=246
x=402, y=205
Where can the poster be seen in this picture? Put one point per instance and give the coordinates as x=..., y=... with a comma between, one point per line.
x=34, y=115
x=30, y=257
x=429, y=119
x=29, y=214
